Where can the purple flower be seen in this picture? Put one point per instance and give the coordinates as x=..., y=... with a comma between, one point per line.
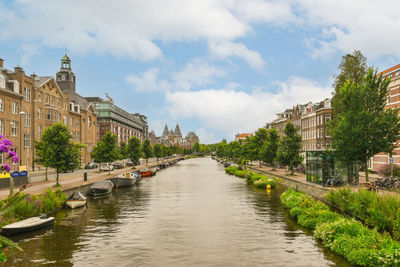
x=6, y=167
x=7, y=142
x=37, y=204
x=15, y=159
x=3, y=148
x=1, y=136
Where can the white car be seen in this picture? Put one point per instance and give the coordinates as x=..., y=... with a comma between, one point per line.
x=106, y=167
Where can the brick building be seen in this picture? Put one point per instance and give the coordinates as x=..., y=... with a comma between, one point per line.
x=120, y=122
x=29, y=104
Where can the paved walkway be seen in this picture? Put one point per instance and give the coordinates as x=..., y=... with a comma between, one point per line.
x=75, y=179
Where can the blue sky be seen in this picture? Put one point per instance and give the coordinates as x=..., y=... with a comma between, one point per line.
x=217, y=67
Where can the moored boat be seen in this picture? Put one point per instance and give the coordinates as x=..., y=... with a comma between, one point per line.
x=146, y=172
x=27, y=225
x=76, y=200
x=101, y=188
x=124, y=179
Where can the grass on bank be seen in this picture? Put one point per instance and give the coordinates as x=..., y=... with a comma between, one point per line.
x=376, y=211
x=347, y=237
x=258, y=180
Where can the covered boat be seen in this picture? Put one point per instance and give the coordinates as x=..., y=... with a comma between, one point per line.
x=101, y=188
x=27, y=225
x=76, y=200
x=146, y=172
x=124, y=179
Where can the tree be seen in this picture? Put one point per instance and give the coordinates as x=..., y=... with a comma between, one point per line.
x=157, y=151
x=135, y=149
x=147, y=150
x=289, y=149
x=196, y=148
x=365, y=127
x=353, y=67
x=269, y=150
x=260, y=137
x=220, y=148
x=59, y=151
x=249, y=149
x=123, y=151
x=106, y=149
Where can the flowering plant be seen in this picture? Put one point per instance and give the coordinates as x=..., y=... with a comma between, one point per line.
x=7, y=147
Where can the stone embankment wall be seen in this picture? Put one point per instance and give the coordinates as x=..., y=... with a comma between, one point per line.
x=314, y=190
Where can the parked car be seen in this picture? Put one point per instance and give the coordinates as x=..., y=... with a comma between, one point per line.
x=129, y=163
x=106, y=167
x=118, y=165
x=91, y=165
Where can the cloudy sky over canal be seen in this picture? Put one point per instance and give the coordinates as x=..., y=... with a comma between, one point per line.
x=217, y=67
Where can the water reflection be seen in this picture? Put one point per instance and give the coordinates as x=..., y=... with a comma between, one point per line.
x=191, y=214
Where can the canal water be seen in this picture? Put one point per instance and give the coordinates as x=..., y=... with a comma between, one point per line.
x=191, y=214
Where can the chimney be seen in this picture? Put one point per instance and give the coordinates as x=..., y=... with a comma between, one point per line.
x=18, y=69
x=1, y=63
x=33, y=76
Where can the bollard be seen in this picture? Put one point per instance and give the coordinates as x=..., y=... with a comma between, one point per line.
x=85, y=176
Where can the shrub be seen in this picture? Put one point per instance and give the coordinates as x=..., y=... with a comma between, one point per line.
x=386, y=170
x=347, y=237
x=382, y=212
x=259, y=180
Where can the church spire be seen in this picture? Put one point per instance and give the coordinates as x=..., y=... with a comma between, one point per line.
x=166, y=131
x=178, y=131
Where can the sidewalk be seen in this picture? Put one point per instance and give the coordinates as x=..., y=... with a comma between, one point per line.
x=69, y=181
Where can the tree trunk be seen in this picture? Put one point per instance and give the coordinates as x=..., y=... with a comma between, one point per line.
x=259, y=161
x=46, y=175
x=291, y=170
x=366, y=171
x=57, y=184
x=11, y=186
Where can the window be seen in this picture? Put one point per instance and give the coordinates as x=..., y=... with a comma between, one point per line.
x=27, y=121
x=1, y=104
x=59, y=103
x=71, y=122
x=39, y=113
x=327, y=117
x=389, y=98
x=40, y=131
x=47, y=99
x=2, y=82
x=40, y=96
x=27, y=140
x=65, y=120
x=77, y=123
x=2, y=127
x=89, y=120
x=52, y=101
x=77, y=136
x=14, y=128
x=27, y=94
x=54, y=115
x=14, y=109
x=16, y=87
x=48, y=115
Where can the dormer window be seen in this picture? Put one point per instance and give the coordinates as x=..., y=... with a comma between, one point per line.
x=16, y=87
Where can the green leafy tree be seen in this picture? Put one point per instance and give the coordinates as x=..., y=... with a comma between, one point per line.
x=147, y=150
x=365, y=127
x=260, y=137
x=250, y=149
x=289, y=149
x=135, y=149
x=157, y=151
x=57, y=149
x=106, y=149
x=269, y=150
x=353, y=67
x=196, y=148
x=220, y=148
x=123, y=151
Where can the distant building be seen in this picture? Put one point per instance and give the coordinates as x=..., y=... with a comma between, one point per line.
x=243, y=136
x=120, y=122
x=174, y=137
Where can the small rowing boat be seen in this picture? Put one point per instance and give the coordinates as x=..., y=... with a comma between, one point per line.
x=76, y=200
x=124, y=180
x=27, y=225
x=101, y=188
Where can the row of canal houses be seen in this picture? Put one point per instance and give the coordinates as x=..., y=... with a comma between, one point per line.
x=312, y=121
x=30, y=103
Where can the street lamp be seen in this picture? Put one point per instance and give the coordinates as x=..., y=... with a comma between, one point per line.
x=21, y=138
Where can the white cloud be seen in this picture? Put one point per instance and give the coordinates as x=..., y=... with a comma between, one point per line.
x=128, y=28
x=205, y=136
x=232, y=112
x=147, y=81
x=197, y=72
x=368, y=26
x=224, y=49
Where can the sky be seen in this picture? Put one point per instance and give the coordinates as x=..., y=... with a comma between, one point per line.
x=216, y=67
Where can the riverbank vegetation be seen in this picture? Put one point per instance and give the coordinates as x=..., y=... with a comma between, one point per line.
x=376, y=211
x=258, y=180
x=345, y=236
x=32, y=205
